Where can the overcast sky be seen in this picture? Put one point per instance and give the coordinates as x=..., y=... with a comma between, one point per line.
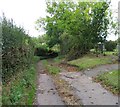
x=26, y=12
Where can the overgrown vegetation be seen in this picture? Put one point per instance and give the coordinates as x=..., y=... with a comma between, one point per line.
x=110, y=80
x=17, y=49
x=44, y=53
x=110, y=45
x=18, y=65
x=21, y=89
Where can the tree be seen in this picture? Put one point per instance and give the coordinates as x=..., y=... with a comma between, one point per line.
x=76, y=27
x=110, y=45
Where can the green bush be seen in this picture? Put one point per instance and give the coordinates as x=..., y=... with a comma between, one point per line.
x=22, y=87
x=17, y=49
x=41, y=51
x=110, y=45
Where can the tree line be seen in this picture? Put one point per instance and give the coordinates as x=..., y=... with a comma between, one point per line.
x=75, y=27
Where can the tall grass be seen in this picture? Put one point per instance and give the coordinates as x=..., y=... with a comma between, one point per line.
x=22, y=88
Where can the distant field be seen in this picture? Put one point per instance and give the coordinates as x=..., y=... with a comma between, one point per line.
x=115, y=52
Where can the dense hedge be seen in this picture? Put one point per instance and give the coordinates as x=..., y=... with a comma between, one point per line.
x=45, y=53
x=110, y=45
x=17, y=49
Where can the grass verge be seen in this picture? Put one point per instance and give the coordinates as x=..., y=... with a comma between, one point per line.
x=51, y=68
x=110, y=81
x=90, y=61
x=22, y=88
x=59, y=59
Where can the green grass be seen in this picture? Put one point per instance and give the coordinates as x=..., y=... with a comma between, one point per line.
x=110, y=79
x=115, y=52
x=53, y=69
x=90, y=61
x=21, y=89
x=58, y=59
x=45, y=62
x=111, y=53
x=50, y=68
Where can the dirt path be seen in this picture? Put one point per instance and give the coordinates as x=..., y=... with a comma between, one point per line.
x=91, y=93
x=46, y=92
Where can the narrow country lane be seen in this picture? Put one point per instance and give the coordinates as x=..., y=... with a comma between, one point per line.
x=88, y=91
x=100, y=70
x=91, y=93
x=46, y=92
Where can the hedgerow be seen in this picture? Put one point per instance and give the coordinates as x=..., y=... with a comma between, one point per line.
x=17, y=49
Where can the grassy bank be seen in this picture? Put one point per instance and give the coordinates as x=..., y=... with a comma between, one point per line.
x=90, y=61
x=110, y=81
x=21, y=89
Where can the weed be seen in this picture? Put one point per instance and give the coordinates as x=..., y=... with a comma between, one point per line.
x=21, y=89
x=110, y=80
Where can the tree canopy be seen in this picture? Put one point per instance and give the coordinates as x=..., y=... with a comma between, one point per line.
x=76, y=27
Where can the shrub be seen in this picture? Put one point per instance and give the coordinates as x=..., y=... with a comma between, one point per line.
x=17, y=49
x=110, y=45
